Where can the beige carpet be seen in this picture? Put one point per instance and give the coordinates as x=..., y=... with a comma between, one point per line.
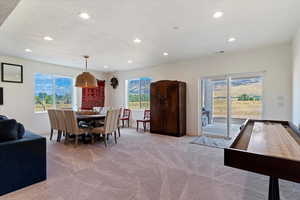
x=146, y=167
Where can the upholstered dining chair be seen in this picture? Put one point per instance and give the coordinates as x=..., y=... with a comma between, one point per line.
x=144, y=121
x=53, y=122
x=126, y=116
x=72, y=127
x=110, y=125
x=119, y=124
x=62, y=129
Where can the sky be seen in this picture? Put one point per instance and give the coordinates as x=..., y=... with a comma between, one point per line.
x=44, y=84
x=134, y=84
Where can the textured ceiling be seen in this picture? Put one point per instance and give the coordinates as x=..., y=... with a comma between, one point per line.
x=108, y=35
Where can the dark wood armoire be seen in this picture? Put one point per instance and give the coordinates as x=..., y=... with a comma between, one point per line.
x=168, y=108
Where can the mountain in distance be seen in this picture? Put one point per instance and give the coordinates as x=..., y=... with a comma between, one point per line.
x=135, y=84
x=44, y=84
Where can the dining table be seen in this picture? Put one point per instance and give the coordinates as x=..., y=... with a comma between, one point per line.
x=81, y=117
x=89, y=118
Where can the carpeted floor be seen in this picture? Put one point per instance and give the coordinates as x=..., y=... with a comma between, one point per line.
x=146, y=167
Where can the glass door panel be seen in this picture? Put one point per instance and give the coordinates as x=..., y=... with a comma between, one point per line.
x=214, y=113
x=246, y=100
x=228, y=101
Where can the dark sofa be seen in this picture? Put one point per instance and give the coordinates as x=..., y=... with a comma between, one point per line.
x=22, y=162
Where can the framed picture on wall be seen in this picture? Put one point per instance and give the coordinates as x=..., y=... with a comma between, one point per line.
x=11, y=73
x=1, y=96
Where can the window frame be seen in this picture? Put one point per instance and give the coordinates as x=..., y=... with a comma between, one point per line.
x=140, y=99
x=53, y=76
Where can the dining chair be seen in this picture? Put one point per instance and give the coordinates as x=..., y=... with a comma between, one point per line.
x=72, y=127
x=126, y=116
x=53, y=122
x=144, y=121
x=119, y=124
x=102, y=110
x=62, y=129
x=110, y=126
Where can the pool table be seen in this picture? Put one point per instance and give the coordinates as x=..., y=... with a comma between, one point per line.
x=267, y=147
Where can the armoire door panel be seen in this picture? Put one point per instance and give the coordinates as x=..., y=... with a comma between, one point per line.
x=155, y=109
x=171, y=118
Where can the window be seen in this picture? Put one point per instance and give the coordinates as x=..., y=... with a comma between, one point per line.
x=138, y=93
x=52, y=92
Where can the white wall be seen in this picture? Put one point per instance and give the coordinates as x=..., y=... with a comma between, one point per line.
x=296, y=79
x=276, y=60
x=19, y=98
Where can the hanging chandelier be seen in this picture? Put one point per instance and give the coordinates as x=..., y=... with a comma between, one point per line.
x=86, y=79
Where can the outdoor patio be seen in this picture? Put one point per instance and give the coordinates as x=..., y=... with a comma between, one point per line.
x=218, y=127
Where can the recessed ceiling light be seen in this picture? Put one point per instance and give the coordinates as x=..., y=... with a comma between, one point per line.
x=137, y=40
x=218, y=14
x=105, y=66
x=28, y=50
x=48, y=38
x=232, y=39
x=165, y=53
x=175, y=27
x=84, y=15
x=129, y=61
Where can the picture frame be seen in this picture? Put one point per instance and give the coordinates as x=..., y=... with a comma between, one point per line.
x=1, y=96
x=11, y=73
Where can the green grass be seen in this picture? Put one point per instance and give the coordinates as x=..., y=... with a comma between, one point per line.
x=40, y=108
x=239, y=109
x=136, y=105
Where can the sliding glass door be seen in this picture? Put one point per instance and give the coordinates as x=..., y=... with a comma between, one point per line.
x=214, y=106
x=227, y=101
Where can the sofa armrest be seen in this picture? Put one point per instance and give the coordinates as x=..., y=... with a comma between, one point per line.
x=25, y=162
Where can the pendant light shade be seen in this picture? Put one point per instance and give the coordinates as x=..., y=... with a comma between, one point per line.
x=86, y=79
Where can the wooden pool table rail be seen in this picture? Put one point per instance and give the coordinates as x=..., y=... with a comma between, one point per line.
x=239, y=157
x=278, y=163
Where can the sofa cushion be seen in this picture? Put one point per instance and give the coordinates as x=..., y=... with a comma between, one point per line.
x=21, y=130
x=9, y=130
x=2, y=117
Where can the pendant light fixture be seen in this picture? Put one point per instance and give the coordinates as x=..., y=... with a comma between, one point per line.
x=86, y=79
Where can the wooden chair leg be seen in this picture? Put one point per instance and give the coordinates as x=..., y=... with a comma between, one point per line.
x=123, y=124
x=137, y=126
x=61, y=134
x=67, y=138
x=128, y=122
x=119, y=131
x=58, y=135
x=76, y=140
x=144, y=126
x=115, y=134
x=93, y=139
x=51, y=134
x=105, y=140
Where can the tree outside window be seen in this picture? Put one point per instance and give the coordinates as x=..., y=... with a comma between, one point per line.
x=138, y=93
x=52, y=92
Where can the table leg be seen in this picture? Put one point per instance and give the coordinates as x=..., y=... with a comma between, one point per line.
x=274, y=189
